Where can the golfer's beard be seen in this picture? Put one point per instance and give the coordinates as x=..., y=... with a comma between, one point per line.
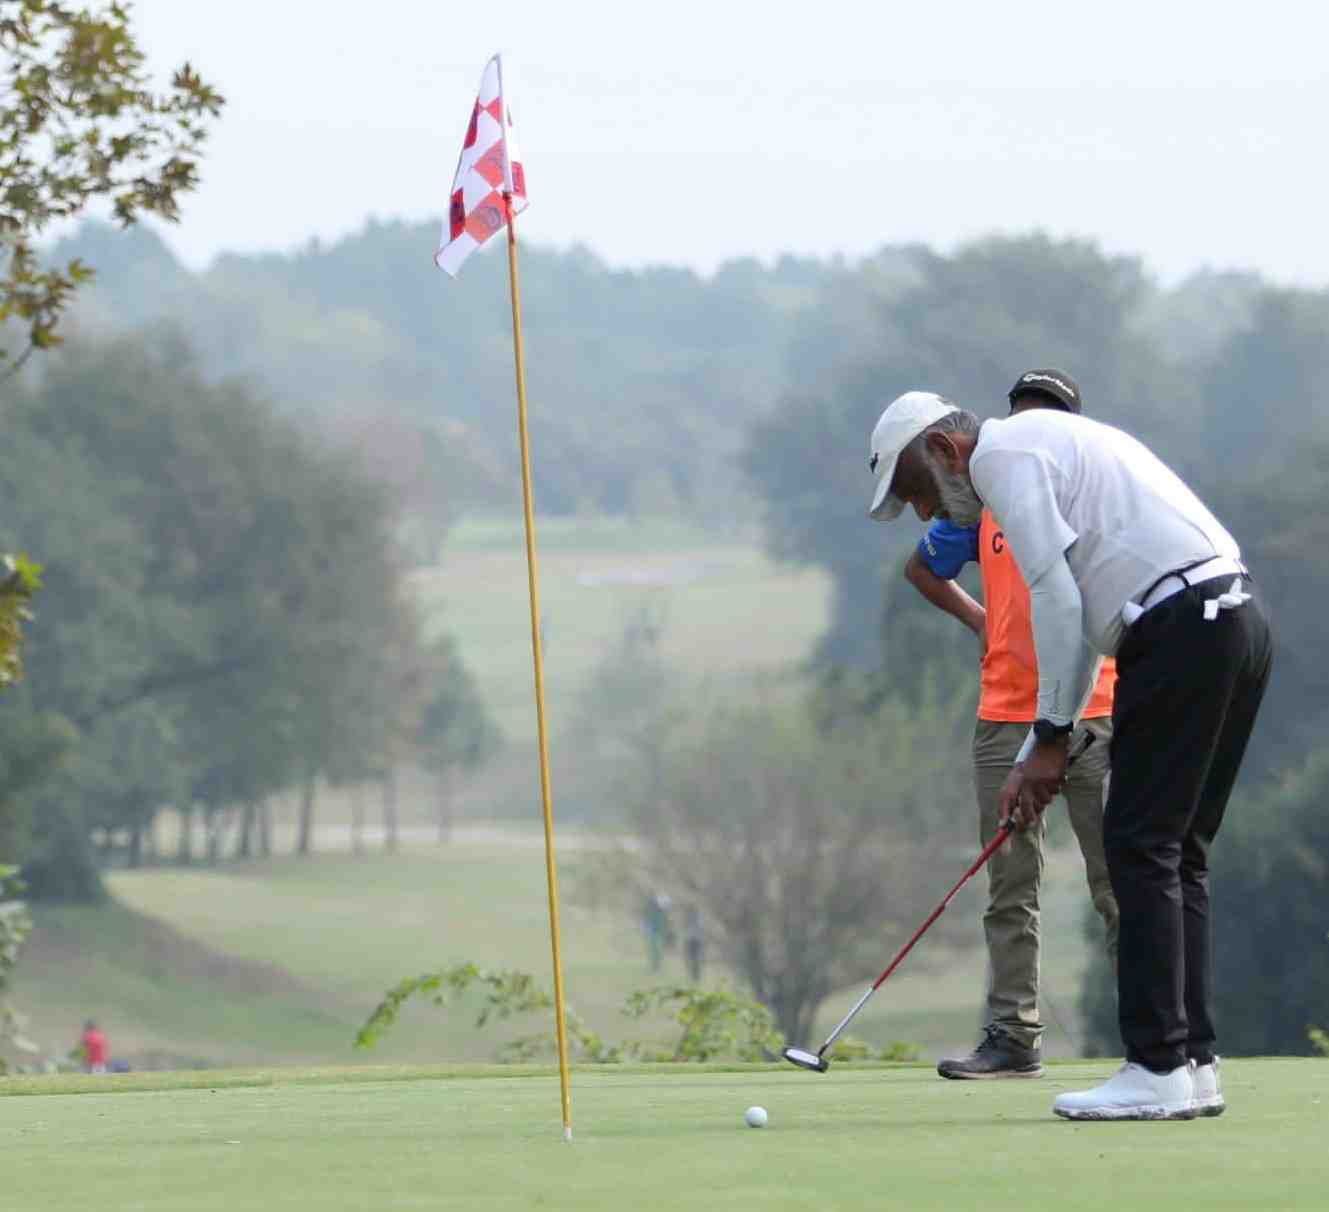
x=959, y=501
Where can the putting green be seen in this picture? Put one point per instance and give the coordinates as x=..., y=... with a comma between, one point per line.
x=651, y=1137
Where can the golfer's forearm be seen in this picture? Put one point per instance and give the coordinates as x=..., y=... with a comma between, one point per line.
x=1067, y=666
x=945, y=595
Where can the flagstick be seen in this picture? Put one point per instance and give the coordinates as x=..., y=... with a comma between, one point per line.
x=551, y=869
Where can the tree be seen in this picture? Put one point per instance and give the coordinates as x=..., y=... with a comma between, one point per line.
x=221, y=592
x=625, y=716
x=1282, y=524
x=1262, y=469
x=964, y=325
x=809, y=855
x=1265, y=387
x=80, y=122
x=455, y=731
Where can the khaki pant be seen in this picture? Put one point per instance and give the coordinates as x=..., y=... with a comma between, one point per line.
x=1011, y=922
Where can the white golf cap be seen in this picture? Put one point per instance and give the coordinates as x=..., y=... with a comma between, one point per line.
x=905, y=418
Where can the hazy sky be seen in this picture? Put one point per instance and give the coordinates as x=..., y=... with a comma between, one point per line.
x=687, y=132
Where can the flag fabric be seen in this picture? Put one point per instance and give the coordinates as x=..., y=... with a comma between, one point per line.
x=489, y=167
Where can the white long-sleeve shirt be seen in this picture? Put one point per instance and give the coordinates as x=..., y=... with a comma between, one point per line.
x=1074, y=496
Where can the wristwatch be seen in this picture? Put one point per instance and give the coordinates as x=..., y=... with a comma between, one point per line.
x=1046, y=731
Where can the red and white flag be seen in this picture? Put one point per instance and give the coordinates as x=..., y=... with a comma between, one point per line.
x=490, y=166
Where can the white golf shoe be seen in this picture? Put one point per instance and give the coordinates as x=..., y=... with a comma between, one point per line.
x=1133, y=1092
x=1208, y=1089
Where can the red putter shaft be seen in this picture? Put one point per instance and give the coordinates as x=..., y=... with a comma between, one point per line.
x=979, y=863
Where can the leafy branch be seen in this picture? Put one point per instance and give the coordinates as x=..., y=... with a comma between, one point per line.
x=713, y=1023
x=20, y=578
x=507, y=993
x=79, y=121
x=15, y=926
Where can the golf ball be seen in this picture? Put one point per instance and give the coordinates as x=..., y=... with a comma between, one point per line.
x=755, y=1117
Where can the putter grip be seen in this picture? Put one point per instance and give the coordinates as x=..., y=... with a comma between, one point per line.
x=1008, y=826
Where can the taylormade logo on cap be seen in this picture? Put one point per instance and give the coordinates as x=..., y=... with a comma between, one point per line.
x=1033, y=377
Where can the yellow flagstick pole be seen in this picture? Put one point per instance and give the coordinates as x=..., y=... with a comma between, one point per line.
x=551, y=868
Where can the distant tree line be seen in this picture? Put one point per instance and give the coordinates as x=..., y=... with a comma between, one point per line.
x=641, y=384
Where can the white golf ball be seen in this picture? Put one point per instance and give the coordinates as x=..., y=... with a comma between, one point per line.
x=755, y=1117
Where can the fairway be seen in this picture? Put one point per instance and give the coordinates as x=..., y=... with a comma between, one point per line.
x=704, y=588
x=651, y=1137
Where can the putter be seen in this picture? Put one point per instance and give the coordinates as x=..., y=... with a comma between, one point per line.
x=816, y=1061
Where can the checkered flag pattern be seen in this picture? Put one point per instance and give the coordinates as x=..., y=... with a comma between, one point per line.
x=490, y=166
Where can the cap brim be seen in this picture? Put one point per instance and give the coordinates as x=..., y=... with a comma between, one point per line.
x=884, y=507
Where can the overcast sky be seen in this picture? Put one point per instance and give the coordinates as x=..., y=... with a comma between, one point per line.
x=686, y=132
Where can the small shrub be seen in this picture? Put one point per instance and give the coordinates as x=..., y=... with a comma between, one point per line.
x=713, y=1024
x=848, y=1048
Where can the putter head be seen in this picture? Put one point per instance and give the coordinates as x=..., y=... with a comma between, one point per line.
x=806, y=1060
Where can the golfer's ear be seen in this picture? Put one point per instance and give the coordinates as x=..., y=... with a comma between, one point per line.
x=941, y=445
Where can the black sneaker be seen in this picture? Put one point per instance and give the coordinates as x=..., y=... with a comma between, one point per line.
x=997, y=1055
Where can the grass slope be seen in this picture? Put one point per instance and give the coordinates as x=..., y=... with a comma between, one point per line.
x=166, y=999
x=663, y=1137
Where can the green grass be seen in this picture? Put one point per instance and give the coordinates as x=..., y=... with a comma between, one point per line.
x=165, y=1000
x=657, y=1138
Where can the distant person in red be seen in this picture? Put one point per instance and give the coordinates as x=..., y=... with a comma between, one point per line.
x=93, y=1043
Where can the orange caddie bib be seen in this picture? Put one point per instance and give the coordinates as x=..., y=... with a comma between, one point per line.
x=1009, y=687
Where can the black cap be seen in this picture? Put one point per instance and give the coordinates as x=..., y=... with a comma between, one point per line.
x=1058, y=386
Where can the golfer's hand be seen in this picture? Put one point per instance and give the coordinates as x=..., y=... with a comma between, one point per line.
x=1032, y=785
x=1010, y=802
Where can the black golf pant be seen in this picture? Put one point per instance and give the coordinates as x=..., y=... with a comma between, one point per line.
x=1188, y=691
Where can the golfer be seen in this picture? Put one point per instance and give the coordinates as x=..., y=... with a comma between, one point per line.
x=1011, y=1043
x=1121, y=559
